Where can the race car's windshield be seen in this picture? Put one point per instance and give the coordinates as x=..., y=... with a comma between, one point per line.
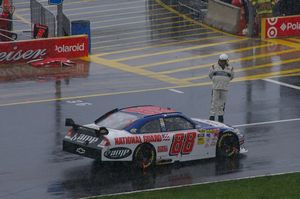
x=118, y=120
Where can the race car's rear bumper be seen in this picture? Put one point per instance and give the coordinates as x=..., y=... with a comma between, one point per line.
x=85, y=151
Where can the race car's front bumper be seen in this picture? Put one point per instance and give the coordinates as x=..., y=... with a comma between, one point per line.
x=82, y=150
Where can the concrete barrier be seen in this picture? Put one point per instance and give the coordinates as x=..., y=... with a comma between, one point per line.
x=223, y=16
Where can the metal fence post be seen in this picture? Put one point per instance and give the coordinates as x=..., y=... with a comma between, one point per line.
x=251, y=19
x=60, y=20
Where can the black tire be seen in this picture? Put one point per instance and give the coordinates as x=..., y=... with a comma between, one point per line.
x=144, y=156
x=228, y=146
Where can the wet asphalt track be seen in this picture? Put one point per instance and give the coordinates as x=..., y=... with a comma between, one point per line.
x=157, y=51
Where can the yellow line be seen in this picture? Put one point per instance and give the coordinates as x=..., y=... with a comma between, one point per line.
x=267, y=75
x=192, y=20
x=202, y=56
x=250, y=78
x=99, y=95
x=152, y=40
x=284, y=43
x=263, y=55
x=294, y=39
x=179, y=50
x=138, y=71
x=152, y=46
x=149, y=30
x=288, y=75
x=250, y=68
x=146, y=36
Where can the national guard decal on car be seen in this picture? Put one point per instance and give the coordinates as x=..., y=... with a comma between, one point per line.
x=118, y=153
x=128, y=140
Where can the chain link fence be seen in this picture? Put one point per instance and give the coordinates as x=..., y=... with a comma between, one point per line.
x=41, y=15
x=195, y=8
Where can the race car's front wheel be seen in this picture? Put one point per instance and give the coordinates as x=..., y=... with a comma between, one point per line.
x=228, y=146
x=144, y=156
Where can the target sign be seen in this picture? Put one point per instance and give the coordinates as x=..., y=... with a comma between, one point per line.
x=272, y=32
x=276, y=27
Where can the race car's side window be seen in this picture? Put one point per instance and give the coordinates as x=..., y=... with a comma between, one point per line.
x=152, y=126
x=177, y=124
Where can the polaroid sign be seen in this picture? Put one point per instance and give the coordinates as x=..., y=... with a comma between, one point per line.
x=24, y=51
x=277, y=27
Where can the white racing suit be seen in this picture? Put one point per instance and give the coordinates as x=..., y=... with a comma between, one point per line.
x=220, y=78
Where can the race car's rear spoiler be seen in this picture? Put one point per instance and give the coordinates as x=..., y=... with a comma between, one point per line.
x=97, y=132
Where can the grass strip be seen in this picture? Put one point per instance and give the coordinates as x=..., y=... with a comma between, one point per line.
x=285, y=186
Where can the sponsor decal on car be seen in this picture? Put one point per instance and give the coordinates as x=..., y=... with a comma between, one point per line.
x=213, y=143
x=80, y=150
x=138, y=139
x=134, y=130
x=128, y=140
x=161, y=149
x=209, y=132
x=201, y=140
x=118, y=153
x=82, y=138
x=165, y=137
x=182, y=143
x=152, y=138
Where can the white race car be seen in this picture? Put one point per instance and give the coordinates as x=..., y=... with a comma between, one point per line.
x=149, y=135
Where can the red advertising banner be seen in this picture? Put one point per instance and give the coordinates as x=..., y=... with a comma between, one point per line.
x=280, y=27
x=24, y=51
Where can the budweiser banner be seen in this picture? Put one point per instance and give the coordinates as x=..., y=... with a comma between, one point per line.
x=24, y=51
x=280, y=27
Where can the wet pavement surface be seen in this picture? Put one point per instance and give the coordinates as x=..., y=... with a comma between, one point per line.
x=144, y=53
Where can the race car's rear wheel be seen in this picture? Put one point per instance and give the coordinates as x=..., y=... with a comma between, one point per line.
x=144, y=156
x=228, y=146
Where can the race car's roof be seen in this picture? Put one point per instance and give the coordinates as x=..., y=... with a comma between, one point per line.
x=147, y=110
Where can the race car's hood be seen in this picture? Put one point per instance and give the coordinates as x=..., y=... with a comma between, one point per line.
x=209, y=124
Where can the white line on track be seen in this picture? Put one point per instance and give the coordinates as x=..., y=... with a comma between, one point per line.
x=132, y=17
x=282, y=84
x=147, y=36
x=150, y=30
x=269, y=122
x=176, y=91
x=126, y=13
x=195, y=184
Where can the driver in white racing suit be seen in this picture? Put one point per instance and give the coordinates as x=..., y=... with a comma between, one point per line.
x=220, y=74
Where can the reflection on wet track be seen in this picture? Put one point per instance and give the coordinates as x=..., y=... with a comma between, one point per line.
x=144, y=51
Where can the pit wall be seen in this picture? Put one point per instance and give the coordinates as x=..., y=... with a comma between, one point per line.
x=223, y=16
